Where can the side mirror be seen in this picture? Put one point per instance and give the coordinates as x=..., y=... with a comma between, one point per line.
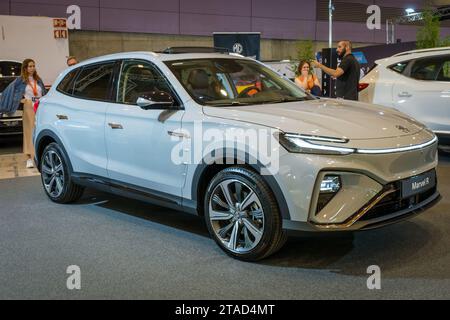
x=155, y=100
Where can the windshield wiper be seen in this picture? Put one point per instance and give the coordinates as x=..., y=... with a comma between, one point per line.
x=284, y=100
x=228, y=104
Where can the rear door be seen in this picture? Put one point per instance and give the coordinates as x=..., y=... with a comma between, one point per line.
x=424, y=92
x=79, y=115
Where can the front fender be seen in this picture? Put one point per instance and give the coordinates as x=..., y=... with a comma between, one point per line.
x=239, y=159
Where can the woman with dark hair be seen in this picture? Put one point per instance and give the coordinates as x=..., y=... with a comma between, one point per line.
x=305, y=79
x=26, y=90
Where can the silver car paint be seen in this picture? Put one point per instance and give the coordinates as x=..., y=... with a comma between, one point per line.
x=366, y=127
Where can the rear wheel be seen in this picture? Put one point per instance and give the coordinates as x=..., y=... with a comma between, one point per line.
x=55, y=176
x=242, y=215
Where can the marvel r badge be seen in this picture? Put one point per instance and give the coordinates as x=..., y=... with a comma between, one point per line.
x=418, y=184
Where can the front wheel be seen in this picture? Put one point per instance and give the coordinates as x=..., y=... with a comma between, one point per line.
x=55, y=176
x=242, y=214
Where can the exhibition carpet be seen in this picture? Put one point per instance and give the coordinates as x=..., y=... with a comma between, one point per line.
x=131, y=250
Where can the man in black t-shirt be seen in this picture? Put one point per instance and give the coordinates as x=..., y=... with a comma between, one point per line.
x=347, y=73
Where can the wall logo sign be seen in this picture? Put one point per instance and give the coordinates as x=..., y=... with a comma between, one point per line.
x=59, y=28
x=59, y=23
x=238, y=48
x=60, y=34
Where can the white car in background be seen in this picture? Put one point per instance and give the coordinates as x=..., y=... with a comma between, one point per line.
x=416, y=83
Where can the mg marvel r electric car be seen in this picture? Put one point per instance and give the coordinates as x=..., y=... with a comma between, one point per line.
x=227, y=138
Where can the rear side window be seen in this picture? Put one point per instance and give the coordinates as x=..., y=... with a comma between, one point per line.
x=426, y=69
x=399, y=67
x=444, y=74
x=66, y=84
x=94, y=82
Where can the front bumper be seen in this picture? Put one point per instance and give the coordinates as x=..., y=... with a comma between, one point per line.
x=367, y=180
x=11, y=126
x=388, y=210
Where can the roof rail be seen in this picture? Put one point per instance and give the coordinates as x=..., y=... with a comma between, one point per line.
x=176, y=50
x=421, y=50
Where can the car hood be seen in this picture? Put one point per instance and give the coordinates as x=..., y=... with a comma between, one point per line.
x=325, y=117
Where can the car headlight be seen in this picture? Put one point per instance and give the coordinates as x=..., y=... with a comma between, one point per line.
x=300, y=143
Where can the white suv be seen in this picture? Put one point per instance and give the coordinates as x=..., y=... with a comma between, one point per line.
x=229, y=139
x=416, y=83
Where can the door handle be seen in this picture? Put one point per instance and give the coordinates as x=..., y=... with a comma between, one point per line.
x=62, y=117
x=115, y=125
x=178, y=134
x=405, y=94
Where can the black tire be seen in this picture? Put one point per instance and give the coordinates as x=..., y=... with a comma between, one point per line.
x=273, y=237
x=69, y=192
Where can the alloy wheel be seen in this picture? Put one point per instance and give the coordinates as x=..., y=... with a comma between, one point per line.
x=236, y=215
x=53, y=174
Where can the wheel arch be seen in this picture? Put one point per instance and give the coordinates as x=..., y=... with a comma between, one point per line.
x=44, y=138
x=205, y=172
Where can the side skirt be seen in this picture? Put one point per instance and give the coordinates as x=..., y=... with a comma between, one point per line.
x=135, y=192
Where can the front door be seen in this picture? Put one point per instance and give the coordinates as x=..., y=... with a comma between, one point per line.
x=139, y=142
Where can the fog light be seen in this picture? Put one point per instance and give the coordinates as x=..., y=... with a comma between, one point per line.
x=329, y=187
x=330, y=184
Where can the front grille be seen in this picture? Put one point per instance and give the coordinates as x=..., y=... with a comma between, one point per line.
x=394, y=202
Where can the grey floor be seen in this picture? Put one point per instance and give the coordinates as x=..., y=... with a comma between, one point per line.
x=131, y=250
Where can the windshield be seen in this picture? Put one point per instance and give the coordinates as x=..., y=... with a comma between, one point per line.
x=232, y=82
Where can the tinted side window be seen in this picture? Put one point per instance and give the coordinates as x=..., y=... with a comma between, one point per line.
x=10, y=69
x=444, y=73
x=66, y=84
x=140, y=78
x=94, y=82
x=426, y=69
x=399, y=67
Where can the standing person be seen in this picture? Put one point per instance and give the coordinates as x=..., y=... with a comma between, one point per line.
x=347, y=73
x=305, y=79
x=26, y=90
x=71, y=61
